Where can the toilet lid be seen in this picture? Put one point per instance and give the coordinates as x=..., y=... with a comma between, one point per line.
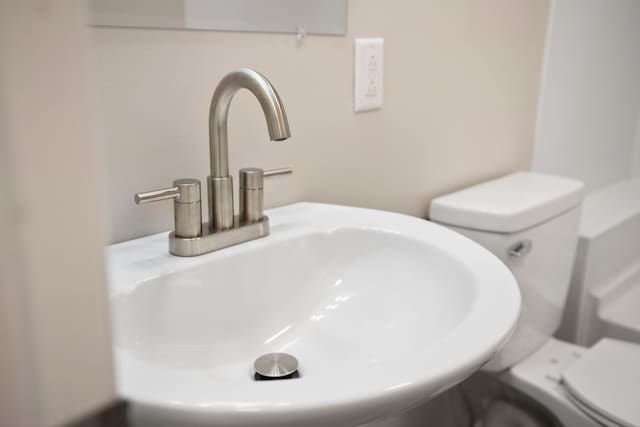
x=607, y=381
x=592, y=413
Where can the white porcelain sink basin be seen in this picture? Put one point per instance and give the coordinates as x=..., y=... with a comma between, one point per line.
x=382, y=311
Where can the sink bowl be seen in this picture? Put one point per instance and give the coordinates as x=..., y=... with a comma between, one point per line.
x=383, y=311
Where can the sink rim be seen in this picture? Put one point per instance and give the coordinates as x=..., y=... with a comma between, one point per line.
x=463, y=358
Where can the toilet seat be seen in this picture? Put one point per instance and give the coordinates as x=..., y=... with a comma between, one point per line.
x=563, y=377
x=605, y=383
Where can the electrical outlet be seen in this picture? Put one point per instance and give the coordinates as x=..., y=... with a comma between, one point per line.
x=369, y=67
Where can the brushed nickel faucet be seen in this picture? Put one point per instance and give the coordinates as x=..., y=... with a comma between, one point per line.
x=219, y=182
x=191, y=237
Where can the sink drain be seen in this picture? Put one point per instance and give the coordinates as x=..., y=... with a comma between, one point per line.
x=275, y=366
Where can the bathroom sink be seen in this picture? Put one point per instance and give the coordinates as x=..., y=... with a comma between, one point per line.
x=383, y=311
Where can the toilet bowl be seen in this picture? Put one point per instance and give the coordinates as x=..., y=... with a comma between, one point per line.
x=530, y=222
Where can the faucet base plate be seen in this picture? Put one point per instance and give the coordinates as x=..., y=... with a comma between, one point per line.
x=212, y=241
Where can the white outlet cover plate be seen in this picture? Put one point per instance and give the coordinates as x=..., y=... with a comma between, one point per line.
x=369, y=74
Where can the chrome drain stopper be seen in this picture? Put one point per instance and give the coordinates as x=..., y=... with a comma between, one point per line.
x=275, y=366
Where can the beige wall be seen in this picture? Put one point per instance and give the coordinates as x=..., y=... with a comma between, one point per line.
x=55, y=348
x=461, y=86
x=636, y=151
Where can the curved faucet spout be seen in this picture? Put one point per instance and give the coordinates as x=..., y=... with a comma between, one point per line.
x=219, y=111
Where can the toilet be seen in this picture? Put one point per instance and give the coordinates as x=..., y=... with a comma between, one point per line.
x=530, y=221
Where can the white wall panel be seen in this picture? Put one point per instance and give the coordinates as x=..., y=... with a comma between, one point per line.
x=591, y=91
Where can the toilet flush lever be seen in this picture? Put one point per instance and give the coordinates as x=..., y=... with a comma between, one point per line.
x=520, y=248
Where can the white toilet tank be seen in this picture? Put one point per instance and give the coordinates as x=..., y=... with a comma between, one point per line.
x=529, y=221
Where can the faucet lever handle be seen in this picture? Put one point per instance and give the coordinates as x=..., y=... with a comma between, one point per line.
x=252, y=192
x=186, y=205
x=157, y=195
x=186, y=190
x=279, y=171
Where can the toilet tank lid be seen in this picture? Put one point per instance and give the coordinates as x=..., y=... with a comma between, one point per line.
x=508, y=204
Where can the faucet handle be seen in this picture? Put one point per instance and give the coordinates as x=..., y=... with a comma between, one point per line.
x=157, y=195
x=184, y=190
x=252, y=192
x=279, y=171
x=186, y=205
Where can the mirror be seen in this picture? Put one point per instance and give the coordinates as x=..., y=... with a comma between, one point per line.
x=279, y=16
